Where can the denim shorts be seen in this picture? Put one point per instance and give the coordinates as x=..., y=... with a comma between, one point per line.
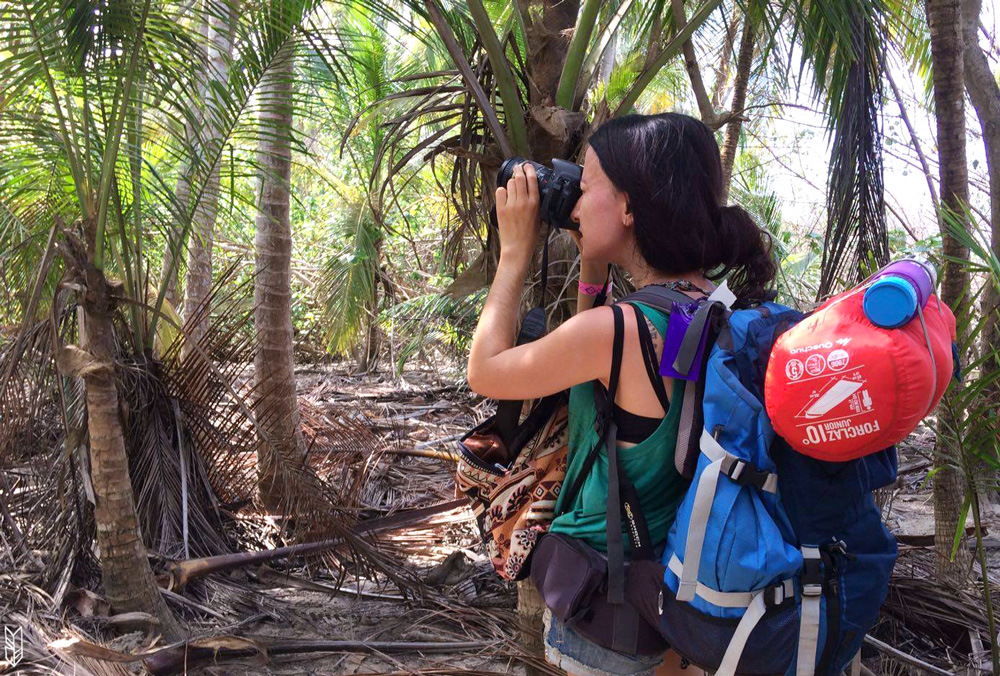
x=578, y=655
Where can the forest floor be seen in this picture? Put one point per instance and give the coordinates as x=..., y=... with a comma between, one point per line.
x=418, y=417
x=424, y=411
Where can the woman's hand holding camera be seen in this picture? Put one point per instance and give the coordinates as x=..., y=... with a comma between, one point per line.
x=517, y=213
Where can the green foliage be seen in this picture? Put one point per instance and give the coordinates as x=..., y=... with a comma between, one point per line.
x=972, y=423
x=434, y=319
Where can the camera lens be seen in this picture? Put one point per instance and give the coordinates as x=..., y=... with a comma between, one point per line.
x=507, y=170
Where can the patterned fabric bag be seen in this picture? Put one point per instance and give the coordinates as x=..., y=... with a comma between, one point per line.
x=514, y=485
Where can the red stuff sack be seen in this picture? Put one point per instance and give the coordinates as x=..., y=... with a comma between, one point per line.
x=838, y=387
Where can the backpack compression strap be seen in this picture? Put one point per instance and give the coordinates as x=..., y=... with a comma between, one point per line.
x=722, y=463
x=812, y=596
x=809, y=617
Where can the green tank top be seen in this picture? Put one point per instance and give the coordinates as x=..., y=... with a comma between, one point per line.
x=649, y=464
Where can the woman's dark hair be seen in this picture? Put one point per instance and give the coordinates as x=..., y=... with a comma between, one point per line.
x=669, y=167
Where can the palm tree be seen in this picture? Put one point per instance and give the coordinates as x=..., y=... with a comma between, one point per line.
x=221, y=32
x=217, y=34
x=274, y=374
x=93, y=135
x=75, y=85
x=944, y=18
x=349, y=287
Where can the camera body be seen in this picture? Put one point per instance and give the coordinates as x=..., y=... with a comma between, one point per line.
x=558, y=189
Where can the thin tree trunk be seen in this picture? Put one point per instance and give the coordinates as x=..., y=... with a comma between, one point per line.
x=915, y=140
x=655, y=37
x=725, y=62
x=985, y=96
x=945, y=20
x=691, y=63
x=128, y=580
x=549, y=31
x=732, y=139
x=274, y=375
x=199, y=260
x=173, y=248
x=530, y=610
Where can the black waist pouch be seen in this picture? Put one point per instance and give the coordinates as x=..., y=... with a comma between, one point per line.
x=572, y=579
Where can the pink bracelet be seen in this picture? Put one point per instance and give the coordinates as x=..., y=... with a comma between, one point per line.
x=592, y=289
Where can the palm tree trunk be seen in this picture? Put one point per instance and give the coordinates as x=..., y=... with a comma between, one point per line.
x=984, y=93
x=550, y=25
x=127, y=577
x=945, y=20
x=199, y=261
x=530, y=609
x=744, y=65
x=169, y=274
x=274, y=375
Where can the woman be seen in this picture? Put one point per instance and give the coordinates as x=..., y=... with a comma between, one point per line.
x=650, y=202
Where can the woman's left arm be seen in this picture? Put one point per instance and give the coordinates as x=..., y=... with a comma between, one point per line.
x=574, y=353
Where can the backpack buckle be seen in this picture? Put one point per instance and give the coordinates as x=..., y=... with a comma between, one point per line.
x=775, y=596
x=812, y=577
x=812, y=590
x=746, y=474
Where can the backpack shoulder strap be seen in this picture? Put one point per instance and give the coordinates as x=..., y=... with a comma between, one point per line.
x=660, y=297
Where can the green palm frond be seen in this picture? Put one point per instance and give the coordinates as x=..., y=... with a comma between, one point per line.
x=842, y=43
x=347, y=289
x=907, y=23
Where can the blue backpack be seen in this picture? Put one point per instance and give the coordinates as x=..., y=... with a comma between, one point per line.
x=777, y=563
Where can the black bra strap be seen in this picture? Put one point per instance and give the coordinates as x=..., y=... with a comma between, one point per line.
x=616, y=356
x=649, y=359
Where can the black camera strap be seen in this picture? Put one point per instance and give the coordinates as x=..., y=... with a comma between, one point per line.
x=533, y=327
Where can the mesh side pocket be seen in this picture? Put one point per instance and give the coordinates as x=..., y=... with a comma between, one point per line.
x=703, y=640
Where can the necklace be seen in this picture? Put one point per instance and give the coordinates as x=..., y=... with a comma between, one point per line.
x=680, y=285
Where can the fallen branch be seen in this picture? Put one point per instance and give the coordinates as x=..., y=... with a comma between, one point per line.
x=269, y=575
x=905, y=658
x=926, y=540
x=182, y=572
x=425, y=453
x=177, y=658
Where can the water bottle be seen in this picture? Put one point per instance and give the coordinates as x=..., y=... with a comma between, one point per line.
x=898, y=290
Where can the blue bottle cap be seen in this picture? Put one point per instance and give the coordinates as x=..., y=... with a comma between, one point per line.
x=890, y=302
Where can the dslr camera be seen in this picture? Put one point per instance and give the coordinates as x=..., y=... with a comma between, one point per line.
x=558, y=189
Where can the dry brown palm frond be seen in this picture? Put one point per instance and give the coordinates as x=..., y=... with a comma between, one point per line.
x=192, y=434
x=320, y=488
x=45, y=519
x=936, y=617
x=177, y=508
x=29, y=609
